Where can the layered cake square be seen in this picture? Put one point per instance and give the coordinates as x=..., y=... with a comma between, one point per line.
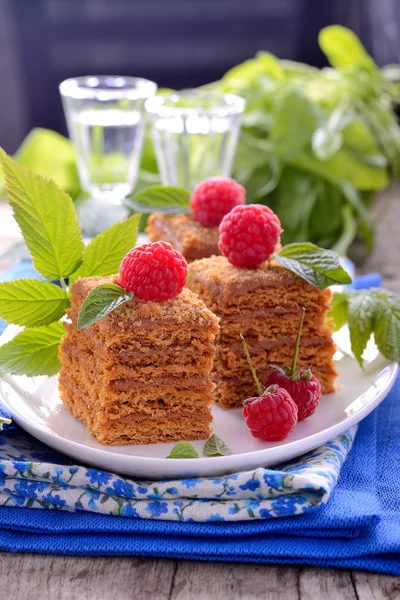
x=141, y=374
x=262, y=304
x=185, y=234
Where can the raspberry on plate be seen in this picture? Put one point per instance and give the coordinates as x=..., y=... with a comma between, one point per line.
x=153, y=271
x=302, y=385
x=215, y=197
x=273, y=414
x=249, y=235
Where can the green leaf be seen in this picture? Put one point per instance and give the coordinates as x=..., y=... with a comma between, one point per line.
x=343, y=49
x=31, y=303
x=183, y=450
x=361, y=317
x=103, y=255
x=163, y=195
x=295, y=121
x=339, y=308
x=47, y=219
x=33, y=351
x=216, y=447
x=4, y=421
x=319, y=267
x=102, y=300
x=387, y=325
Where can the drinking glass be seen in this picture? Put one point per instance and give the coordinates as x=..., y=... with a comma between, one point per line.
x=105, y=119
x=194, y=135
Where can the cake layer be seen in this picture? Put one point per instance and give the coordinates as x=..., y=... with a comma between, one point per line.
x=185, y=234
x=153, y=431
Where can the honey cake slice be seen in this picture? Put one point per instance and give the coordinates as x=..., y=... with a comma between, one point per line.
x=264, y=305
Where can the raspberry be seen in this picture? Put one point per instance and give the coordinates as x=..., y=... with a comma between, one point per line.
x=272, y=416
x=153, y=271
x=215, y=197
x=249, y=234
x=304, y=388
x=305, y=391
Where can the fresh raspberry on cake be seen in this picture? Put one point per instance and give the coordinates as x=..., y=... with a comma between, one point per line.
x=272, y=416
x=249, y=235
x=153, y=271
x=214, y=198
x=301, y=384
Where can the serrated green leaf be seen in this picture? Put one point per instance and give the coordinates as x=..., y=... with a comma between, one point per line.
x=47, y=219
x=183, y=450
x=338, y=310
x=33, y=351
x=4, y=421
x=103, y=255
x=343, y=48
x=318, y=266
x=163, y=195
x=215, y=446
x=361, y=317
x=32, y=303
x=387, y=325
x=102, y=300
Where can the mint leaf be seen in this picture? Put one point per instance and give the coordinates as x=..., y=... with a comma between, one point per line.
x=31, y=303
x=216, y=447
x=33, y=351
x=102, y=300
x=387, y=325
x=4, y=421
x=319, y=267
x=103, y=255
x=183, y=450
x=47, y=219
x=361, y=316
x=163, y=195
x=338, y=310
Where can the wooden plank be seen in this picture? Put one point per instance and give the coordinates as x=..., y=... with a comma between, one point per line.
x=219, y=581
x=371, y=586
x=39, y=577
x=329, y=584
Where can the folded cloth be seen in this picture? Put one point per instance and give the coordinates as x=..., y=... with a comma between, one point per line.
x=359, y=527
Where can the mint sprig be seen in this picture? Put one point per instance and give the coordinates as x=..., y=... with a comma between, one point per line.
x=102, y=300
x=33, y=351
x=318, y=266
x=48, y=222
x=215, y=446
x=163, y=195
x=183, y=450
x=29, y=302
x=374, y=311
x=47, y=219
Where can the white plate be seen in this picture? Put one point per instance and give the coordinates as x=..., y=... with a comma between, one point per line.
x=35, y=405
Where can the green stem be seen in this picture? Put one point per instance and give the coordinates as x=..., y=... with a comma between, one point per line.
x=63, y=284
x=296, y=348
x=253, y=371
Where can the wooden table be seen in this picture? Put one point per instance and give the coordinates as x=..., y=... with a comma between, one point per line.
x=37, y=577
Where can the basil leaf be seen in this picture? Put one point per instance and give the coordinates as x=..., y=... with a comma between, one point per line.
x=163, y=195
x=47, y=219
x=215, y=446
x=32, y=303
x=318, y=266
x=183, y=450
x=339, y=308
x=102, y=300
x=103, y=255
x=387, y=325
x=361, y=316
x=33, y=351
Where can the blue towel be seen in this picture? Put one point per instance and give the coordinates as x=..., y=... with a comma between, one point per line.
x=358, y=528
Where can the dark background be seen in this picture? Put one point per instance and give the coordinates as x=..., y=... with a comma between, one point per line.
x=177, y=43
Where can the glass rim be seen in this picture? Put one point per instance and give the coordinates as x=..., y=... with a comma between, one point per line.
x=225, y=104
x=88, y=87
